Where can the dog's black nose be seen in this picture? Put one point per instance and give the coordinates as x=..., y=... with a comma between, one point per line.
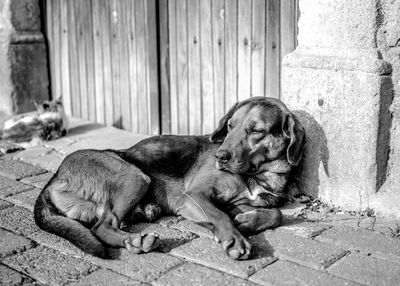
x=223, y=156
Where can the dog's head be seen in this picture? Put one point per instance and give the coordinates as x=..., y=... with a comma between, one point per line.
x=257, y=131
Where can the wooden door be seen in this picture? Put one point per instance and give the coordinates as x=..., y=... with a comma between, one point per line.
x=103, y=61
x=217, y=52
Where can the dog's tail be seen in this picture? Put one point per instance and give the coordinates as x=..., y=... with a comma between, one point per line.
x=48, y=219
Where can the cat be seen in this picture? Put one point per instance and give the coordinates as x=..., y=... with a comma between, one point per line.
x=48, y=123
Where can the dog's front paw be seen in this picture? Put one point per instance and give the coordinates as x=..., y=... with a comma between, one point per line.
x=255, y=221
x=138, y=243
x=235, y=245
x=246, y=222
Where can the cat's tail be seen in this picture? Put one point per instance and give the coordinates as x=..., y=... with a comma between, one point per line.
x=48, y=219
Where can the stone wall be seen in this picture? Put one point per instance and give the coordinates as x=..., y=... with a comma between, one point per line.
x=23, y=57
x=343, y=80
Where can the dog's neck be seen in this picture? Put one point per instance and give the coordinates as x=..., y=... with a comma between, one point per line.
x=271, y=181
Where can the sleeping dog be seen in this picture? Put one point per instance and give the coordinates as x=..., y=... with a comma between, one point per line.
x=230, y=182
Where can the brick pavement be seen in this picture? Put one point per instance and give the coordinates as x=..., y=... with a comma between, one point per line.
x=338, y=250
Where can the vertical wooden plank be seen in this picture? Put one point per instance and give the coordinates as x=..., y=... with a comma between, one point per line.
x=164, y=38
x=49, y=34
x=272, y=58
x=296, y=26
x=75, y=82
x=206, y=51
x=194, y=67
x=218, y=12
x=116, y=77
x=65, y=79
x=258, y=48
x=57, y=48
x=88, y=36
x=141, y=66
x=98, y=5
x=123, y=12
x=173, y=66
x=287, y=27
x=244, y=49
x=132, y=39
x=182, y=61
x=152, y=72
x=80, y=14
x=105, y=16
x=231, y=11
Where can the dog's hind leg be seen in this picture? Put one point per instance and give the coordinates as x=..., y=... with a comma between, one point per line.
x=125, y=193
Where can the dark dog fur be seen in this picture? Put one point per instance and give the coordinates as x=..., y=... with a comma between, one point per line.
x=230, y=182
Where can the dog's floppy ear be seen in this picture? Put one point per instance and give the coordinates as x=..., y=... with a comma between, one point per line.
x=219, y=134
x=295, y=131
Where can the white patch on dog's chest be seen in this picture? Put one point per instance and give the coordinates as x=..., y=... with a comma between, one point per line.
x=272, y=179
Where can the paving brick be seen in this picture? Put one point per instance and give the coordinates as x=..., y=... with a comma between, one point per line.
x=363, y=240
x=50, y=266
x=10, y=187
x=18, y=170
x=55, y=242
x=301, y=250
x=4, y=204
x=194, y=274
x=38, y=181
x=44, y=157
x=304, y=228
x=143, y=267
x=183, y=224
x=25, y=199
x=10, y=277
x=207, y=252
x=288, y=273
x=367, y=270
x=169, y=237
x=19, y=220
x=12, y=244
x=105, y=277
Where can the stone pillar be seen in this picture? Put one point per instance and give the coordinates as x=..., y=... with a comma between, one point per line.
x=387, y=199
x=342, y=89
x=23, y=57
